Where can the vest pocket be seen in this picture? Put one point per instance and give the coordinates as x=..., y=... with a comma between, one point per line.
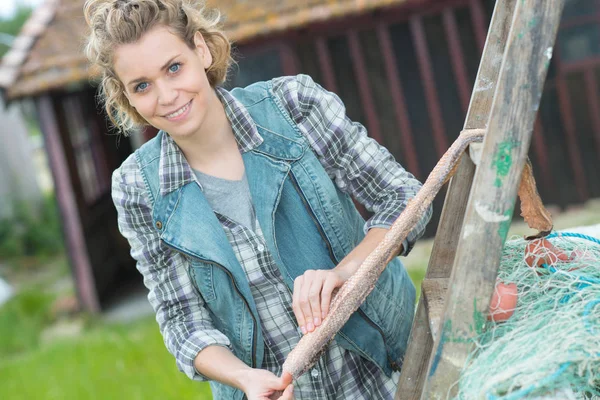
x=202, y=274
x=392, y=304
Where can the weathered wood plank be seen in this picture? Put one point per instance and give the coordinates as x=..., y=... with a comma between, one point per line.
x=492, y=200
x=442, y=255
x=434, y=295
x=414, y=370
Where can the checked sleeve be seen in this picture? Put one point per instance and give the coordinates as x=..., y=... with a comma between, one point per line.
x=356, y=163
x=181, y=314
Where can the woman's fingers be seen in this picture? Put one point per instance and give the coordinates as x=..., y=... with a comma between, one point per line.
x=307, y=298
x=330, y=284
x=298, y=312
x=264, y=385
x=288, y=393
x=312, y=297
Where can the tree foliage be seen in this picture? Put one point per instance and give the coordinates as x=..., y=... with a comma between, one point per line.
x=12, y=25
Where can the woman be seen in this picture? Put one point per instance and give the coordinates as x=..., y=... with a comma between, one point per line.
x=239, y=212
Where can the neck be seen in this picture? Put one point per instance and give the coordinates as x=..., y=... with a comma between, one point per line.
x=214, y=138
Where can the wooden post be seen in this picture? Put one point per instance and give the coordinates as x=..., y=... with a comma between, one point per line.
x=491, y=203
x=73, y=231
x=414, y=370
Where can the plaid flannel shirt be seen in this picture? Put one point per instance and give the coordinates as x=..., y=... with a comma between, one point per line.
x=356, y=163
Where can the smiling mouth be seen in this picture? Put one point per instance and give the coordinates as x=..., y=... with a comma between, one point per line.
x=177, y=113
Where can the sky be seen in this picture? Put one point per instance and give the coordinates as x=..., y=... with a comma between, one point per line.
x=8, y=7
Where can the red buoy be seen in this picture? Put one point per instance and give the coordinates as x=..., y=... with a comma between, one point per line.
x=504, y=302
x=541, y=251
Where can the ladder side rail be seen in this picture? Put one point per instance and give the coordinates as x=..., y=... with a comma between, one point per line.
x=412, y=379
x=446, y=240
x=492, y=200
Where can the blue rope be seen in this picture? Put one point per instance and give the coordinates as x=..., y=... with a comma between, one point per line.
x=574, y=235
x=586, y=312
x=578, y=236
x=587, y=281
x=519, y=394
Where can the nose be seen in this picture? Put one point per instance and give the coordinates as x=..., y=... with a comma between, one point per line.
x=167, y=95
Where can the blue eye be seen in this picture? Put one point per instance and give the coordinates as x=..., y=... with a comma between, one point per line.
x=174, y=67
x=141, y=87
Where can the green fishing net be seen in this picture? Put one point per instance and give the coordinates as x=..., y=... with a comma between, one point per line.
x=550, y=347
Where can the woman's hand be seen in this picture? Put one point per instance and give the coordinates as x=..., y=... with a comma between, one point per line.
x=312, y=295
x=261, y=384
x=313, y=290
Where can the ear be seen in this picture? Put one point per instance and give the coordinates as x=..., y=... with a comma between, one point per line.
x=203, y=50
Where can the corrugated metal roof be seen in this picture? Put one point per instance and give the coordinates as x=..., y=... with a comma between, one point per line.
x=48, y=52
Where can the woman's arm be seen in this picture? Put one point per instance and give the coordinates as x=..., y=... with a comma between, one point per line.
x=201, y=351
x=314, y=289
x=360, y=167
x=183, y=319
x=356, y=163
x=220, y=364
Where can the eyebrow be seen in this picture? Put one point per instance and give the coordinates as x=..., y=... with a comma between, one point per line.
x=143, y=78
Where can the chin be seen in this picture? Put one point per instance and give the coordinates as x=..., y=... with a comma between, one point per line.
x=182, y=132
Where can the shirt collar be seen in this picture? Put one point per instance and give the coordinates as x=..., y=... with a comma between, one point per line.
x=244, y=127
x=174, y=170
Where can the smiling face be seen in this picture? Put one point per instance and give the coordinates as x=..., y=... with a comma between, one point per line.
x=165, y=81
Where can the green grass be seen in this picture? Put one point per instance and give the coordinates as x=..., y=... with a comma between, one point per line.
x=108, y=362
x=31, y=231
x=105, y=362
x=22, y=319
x=417, y=276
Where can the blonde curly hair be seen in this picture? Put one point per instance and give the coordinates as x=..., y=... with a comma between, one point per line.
x=116, y=22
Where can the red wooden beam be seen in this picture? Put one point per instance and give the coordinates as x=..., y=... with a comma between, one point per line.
x=571, y=136
x=433, y=104
x=325, y=64
x=541, y=154
x=458, y=59
x=101, y=171
x=480, y=24
x=366, y=20
x=391, y=69
x=289, y=60
x=364, y=88
x=73, y=230
x=591, y=86
x=576, y=66
x=582, y=20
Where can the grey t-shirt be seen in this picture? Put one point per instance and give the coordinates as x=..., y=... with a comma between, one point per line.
x=229, y=198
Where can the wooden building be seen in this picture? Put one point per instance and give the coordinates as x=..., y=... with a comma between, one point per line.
x=404, y=68
x=18, y=181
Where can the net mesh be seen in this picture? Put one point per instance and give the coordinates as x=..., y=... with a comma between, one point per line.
x=550, y=347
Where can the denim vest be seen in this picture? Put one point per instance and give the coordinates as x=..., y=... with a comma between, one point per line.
x=307, y=222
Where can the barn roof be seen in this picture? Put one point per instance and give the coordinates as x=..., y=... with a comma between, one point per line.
x=48, y=53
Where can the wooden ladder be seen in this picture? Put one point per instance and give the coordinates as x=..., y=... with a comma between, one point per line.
x=480, y=200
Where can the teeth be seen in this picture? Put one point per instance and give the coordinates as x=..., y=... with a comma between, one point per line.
x=179, y=112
